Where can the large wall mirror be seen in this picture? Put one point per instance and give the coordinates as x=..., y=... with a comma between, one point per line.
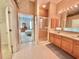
x=71, y=19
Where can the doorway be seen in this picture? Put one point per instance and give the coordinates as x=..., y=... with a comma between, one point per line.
x=26, y=28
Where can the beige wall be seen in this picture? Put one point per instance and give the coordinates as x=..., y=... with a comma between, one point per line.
x=52, y=13
x=3, y=5
x=64, y=4
x=52, y=10
x=43, y=12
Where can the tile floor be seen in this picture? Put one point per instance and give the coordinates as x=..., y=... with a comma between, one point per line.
x=40, y=51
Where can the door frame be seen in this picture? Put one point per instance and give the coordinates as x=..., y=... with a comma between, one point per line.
x=33, y=26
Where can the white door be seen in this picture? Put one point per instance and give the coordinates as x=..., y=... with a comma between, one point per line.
x=12, y=28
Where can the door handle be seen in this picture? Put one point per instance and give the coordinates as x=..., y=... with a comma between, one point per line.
x=10, y=30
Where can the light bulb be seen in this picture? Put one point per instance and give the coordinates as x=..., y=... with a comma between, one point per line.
x=76, y=6
x=67, y=8
x=71, y=7
x=44, y=6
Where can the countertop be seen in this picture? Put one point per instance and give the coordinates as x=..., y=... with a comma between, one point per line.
x=73, y=36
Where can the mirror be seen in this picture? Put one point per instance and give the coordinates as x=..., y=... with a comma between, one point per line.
x=70, y=21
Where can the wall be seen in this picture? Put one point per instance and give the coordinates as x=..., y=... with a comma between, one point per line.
x=43, y=12
x=52, y=10
x=52, y=13
x=3, y=5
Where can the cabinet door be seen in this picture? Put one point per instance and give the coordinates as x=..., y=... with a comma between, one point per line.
x=58, y=41
x=64, y=44
x=67, y=45
x=55, y=39
x=51, y=37
x=76, y=49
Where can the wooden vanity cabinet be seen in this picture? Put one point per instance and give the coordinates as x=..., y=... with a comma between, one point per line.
x=76, y=49
x=67, y=45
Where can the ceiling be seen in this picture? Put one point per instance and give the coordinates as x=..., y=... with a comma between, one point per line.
x=23, y=4
x=55, y=1
x=39, y=1
x=46, y=1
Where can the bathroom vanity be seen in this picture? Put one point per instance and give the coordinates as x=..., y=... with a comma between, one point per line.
x=66, y=42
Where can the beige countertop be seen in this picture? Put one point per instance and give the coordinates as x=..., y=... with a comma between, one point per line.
x=73, y=36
